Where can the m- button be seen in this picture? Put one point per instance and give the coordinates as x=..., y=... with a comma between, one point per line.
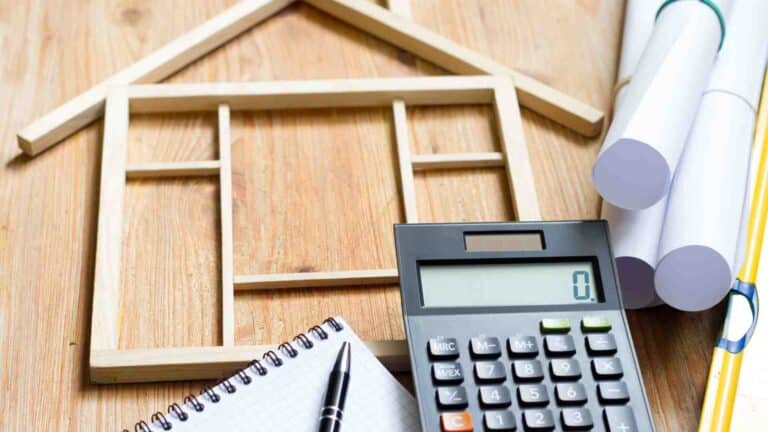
x=456, y=422
x=443, y=348
x=485, y=347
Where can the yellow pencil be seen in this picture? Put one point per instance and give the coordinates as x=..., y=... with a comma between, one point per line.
x=717, y=409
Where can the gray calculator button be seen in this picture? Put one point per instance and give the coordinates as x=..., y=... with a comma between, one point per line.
x=576, y=419
x=451, y=397
x=495, y=396
x=527, y=370
x=601, y=344
x=564, y=369
x=538, y=420
x=532, y=394
x=443, y=348
x=490, y=372
x=571, y=394
x=445, y=373
x=607, y=368
x=620, y=419
x=522, y=346
x=559, y=345
x=612, y=392
x=499, y=421
x=485, y=347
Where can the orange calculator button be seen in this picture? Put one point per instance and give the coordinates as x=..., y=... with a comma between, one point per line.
x=456, y=422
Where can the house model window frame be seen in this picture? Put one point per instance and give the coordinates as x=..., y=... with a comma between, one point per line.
x=109, y=363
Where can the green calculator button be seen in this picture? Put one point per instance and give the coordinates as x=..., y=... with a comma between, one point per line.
x=555, y=325
x=595, y=324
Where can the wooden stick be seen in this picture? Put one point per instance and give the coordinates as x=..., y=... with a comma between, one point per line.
x=172, y=169
x=400, y=7
x=443, y=90
x=105, y=316
x=225, y=202
x=519, y=174
x=175, y=364
x=425, y=162
x=316, y=279
x=403, y=142
x=89, y=106
x=455, y=58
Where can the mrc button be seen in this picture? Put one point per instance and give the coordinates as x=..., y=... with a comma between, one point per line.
x=443, y=348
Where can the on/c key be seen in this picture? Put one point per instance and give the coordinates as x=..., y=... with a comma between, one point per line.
x=456, y=422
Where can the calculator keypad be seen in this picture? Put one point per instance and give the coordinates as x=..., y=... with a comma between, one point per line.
x=557, y=387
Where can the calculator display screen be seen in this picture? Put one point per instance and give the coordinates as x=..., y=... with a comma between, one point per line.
x=508, y=284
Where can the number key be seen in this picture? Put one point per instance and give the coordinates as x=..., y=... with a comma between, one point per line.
x=601, y=344
x=559, y=345
x=564, y=369
x=532, y=394
x=522, y=346
x=538, y=419
x=500, y=421
x=576, y=419
x=443, y=348
x=446, y=373
x=490, y=372
x=571, y=394
x=527, y=370
x=485, y=347
x=451, y=397
x=495, y=396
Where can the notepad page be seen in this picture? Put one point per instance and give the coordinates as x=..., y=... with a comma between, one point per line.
x=289, y=398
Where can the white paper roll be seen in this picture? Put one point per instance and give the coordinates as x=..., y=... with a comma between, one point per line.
x=635, y=233
x=639, y=17
x=645, y=140
x=635, y=241
x=703, y=226
x=701, y=229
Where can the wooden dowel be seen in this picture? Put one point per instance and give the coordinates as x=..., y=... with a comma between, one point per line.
x=172, y=169
x=438, y=161
x=403, y=143
x=191, y=363
x=105, y=316
x=522, y=186
x=316, y=279
x=225, y=199
x=443, y=52
x=400, y=7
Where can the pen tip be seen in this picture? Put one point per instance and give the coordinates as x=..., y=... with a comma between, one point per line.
x=343, y=360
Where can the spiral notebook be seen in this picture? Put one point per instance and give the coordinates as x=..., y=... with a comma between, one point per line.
x=283, y=392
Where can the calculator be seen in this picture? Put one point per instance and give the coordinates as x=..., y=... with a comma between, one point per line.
x=518, y=327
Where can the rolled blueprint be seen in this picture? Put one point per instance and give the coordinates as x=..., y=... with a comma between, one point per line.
x=647, y=136
x=635, y=233
x=701, y=232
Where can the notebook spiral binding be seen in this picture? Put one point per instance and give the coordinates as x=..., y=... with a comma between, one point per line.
x=192, y=403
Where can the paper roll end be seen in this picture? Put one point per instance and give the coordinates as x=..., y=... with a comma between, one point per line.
x=636, y=280
x=631, y=174
x=693, y=278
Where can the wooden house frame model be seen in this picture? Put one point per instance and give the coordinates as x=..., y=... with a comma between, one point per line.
x=124, y=93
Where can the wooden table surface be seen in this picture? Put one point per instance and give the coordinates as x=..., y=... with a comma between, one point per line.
x=313, y=190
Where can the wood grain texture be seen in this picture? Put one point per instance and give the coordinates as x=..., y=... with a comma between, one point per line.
x=48, y=214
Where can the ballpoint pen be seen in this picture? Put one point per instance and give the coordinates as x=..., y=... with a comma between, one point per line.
x=336, y=394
